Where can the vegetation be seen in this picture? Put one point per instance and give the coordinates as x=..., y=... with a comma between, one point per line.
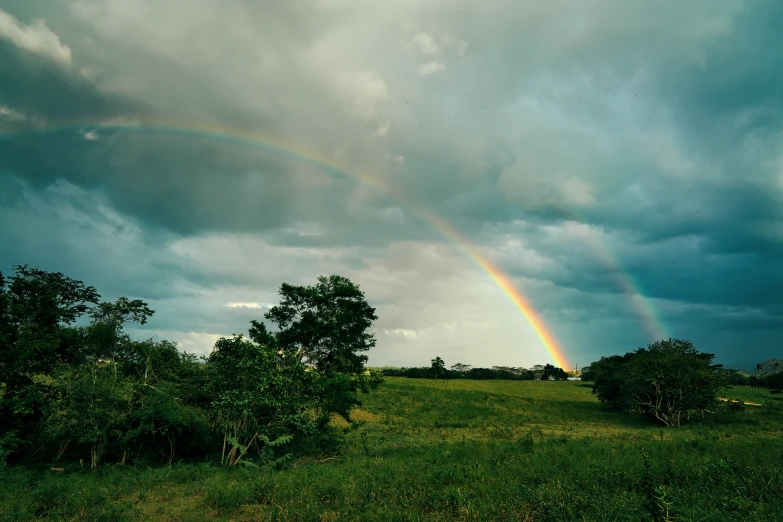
x=457, y=450
x=96, y=426
x=438, y=367
x=464, y=371
x=768, y=374
x=325, y=325
x=667, y=381
x=90, y=393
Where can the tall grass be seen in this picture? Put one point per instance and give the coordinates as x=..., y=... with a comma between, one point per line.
x=458, y=450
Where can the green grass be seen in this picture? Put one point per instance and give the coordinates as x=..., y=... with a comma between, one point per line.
x=458, y=450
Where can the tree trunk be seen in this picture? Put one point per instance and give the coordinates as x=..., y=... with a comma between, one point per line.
x=63, y=446
x=172, y=444
x=223, y=456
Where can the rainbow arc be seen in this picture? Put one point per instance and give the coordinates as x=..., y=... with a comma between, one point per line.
x=91, y=130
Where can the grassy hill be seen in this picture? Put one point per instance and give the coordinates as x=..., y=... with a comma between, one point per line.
x=459, y=450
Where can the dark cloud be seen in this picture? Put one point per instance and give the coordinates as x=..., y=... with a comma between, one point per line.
x=43, y=90
x=586, y=150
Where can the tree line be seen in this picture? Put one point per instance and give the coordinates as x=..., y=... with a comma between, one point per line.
x=669, y=381
x=438, y=370
x=89, y=392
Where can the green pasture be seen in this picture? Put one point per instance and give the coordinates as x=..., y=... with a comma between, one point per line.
x=458, y=450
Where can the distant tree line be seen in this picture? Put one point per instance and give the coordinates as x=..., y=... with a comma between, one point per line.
x=438, y=370
x=768, y=374
x=90, y=392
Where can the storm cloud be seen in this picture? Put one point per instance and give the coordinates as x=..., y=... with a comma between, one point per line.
x=599, y=153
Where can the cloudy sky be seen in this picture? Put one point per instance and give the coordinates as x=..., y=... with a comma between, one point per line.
x=620, y=161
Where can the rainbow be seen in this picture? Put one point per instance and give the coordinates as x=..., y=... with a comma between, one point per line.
x=244, y=138
x=653, y=324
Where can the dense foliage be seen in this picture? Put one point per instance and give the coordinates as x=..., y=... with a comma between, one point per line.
x=667, y=381
x=89, y=392
x=325, y=325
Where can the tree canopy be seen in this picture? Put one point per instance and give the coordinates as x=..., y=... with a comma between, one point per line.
x=438, y=367
x=325, y=325
x=667, y=381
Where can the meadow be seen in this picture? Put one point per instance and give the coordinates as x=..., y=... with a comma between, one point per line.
x=457, y=450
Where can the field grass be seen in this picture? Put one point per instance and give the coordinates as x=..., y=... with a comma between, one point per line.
x=459, y=450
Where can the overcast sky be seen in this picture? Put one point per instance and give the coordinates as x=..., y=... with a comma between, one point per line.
x=621, y=162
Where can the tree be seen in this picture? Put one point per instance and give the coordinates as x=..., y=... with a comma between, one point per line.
x=736, y=377
x=768, y=374
x=438, y=367
x=91, y=404
x=105, y=331
x=666, y=381
x=770, y=366
x=325, y=326
x=38, y=306
x=37, y=309
x=69, y=389
x=553, y=372
x=461, y=368
x=256, y=395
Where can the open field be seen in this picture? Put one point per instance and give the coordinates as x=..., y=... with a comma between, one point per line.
x=459, y=450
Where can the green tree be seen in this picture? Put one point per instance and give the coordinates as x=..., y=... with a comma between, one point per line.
x=105, y=338
x=38, y=305
x=461, y=368
x=666, y=381
x=90, y=404
x=37, y=309
x=257, y=394
x=168, y=396
x=552, y=371
x=326, y=325
x=438, y=367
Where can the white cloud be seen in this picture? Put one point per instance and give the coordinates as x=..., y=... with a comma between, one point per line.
x=91, y=135
x=401, y=332
x=199, y=343
x=243, y=305
x=35, y=38
x=10, y=115
x=431, y=68
x=425, y=44
x=365, y=90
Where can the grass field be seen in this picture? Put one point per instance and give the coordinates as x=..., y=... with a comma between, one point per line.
x=459, y=450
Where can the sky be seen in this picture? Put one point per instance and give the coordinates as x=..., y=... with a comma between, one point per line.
x=617, y=165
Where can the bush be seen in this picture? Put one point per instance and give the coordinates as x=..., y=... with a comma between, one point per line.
x=666, y=381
